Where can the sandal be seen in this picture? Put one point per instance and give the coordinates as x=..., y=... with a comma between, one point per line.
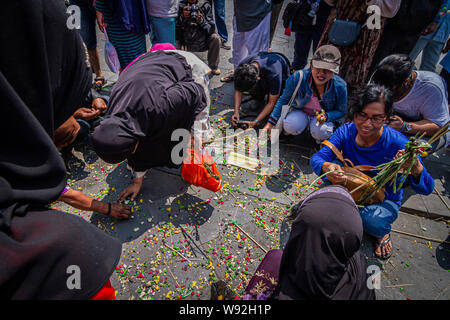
x=381, y=245
x=100, y=85
x=228, y=78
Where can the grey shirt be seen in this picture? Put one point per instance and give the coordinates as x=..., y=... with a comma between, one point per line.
x=427, y=100
x=162, y=8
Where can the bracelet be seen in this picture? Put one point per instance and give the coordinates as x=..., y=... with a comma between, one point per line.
x=403, y=126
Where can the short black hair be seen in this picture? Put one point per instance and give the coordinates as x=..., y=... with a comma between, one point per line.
x=245, y=77
x=372, y=92
x=393, y=70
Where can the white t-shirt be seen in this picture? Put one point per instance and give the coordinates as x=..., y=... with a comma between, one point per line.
x=427, y=100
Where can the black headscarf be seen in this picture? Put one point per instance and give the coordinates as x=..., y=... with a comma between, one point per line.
x=152, y=97
x=43, y=79
x=322, y=258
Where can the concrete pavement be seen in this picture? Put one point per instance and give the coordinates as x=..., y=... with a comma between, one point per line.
x=182, y=238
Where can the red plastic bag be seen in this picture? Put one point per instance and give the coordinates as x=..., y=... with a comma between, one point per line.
x=201, y=171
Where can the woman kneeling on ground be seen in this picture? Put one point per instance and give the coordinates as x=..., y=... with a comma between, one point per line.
x=320, y=91
x=368, y=141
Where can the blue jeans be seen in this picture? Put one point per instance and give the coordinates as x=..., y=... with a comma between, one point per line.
x=303, y=41
x=431, y=52
x=377, y=218
x=219, y=16
x=162, y=30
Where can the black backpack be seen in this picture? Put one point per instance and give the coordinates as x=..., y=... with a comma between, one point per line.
x=297, y=14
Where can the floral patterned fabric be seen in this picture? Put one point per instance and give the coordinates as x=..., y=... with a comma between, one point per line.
x=265, y=279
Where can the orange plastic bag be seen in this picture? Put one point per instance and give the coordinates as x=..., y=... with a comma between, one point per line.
x=201, y=171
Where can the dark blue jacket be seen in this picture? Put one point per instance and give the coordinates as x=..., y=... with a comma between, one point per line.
x=132, y=15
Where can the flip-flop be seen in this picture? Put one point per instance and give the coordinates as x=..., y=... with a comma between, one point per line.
x=100, y=85
x=383, y=244
x=228, y=78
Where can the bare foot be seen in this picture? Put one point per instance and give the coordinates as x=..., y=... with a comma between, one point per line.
x=384, y=247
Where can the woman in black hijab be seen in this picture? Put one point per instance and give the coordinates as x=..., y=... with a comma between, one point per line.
x=153, y=97
x=322, y=260
x=43, y=79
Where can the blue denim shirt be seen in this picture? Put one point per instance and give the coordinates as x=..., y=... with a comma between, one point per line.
x=334, y=97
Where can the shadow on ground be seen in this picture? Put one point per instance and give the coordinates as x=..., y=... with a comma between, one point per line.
x=163, y=199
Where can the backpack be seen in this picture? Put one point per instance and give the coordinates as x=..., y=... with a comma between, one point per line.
x=296, y=16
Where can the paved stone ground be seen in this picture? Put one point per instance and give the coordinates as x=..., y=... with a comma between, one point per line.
x=181, y=238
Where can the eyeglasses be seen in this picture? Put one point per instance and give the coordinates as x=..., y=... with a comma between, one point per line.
x=378, y=119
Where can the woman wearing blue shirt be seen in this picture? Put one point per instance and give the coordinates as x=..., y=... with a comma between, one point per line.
x=320, y=89
x=367, y=141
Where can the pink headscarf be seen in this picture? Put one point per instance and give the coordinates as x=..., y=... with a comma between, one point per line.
x=162, y=46
x=156, y=46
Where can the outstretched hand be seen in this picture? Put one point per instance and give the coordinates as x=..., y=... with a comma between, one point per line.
x=131, y=191
x=335, y=177
x=120, y=211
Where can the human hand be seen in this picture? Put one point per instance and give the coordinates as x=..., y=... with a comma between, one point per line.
x=86, y=114
x=100, y=21
x=186, y=12
x=235, y=118
x=395, y=122
x=417, y=167
x=99, y=104
x=120, y=211
x=199, y=17
x=266, y=130
x=334, y=177
x=250, y=124
x=430, y=28
x=132, y=190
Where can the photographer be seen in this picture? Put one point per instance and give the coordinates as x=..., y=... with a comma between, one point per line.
x=195, y=29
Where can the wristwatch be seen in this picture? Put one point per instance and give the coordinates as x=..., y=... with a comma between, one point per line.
x=256, y=121
x=408, y=127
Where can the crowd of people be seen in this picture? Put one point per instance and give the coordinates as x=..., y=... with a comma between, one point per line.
x=360, y=94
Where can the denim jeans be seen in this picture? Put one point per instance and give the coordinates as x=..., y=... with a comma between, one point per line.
x=431, y=52
x=303, y=40
x=378, y=218
x=219, y=16
x=162, y=30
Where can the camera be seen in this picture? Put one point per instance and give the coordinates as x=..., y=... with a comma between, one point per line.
x=193, y=9
x=241, y=125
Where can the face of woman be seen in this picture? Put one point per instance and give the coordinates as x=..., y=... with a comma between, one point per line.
x=321, y=76
x=369, y=122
